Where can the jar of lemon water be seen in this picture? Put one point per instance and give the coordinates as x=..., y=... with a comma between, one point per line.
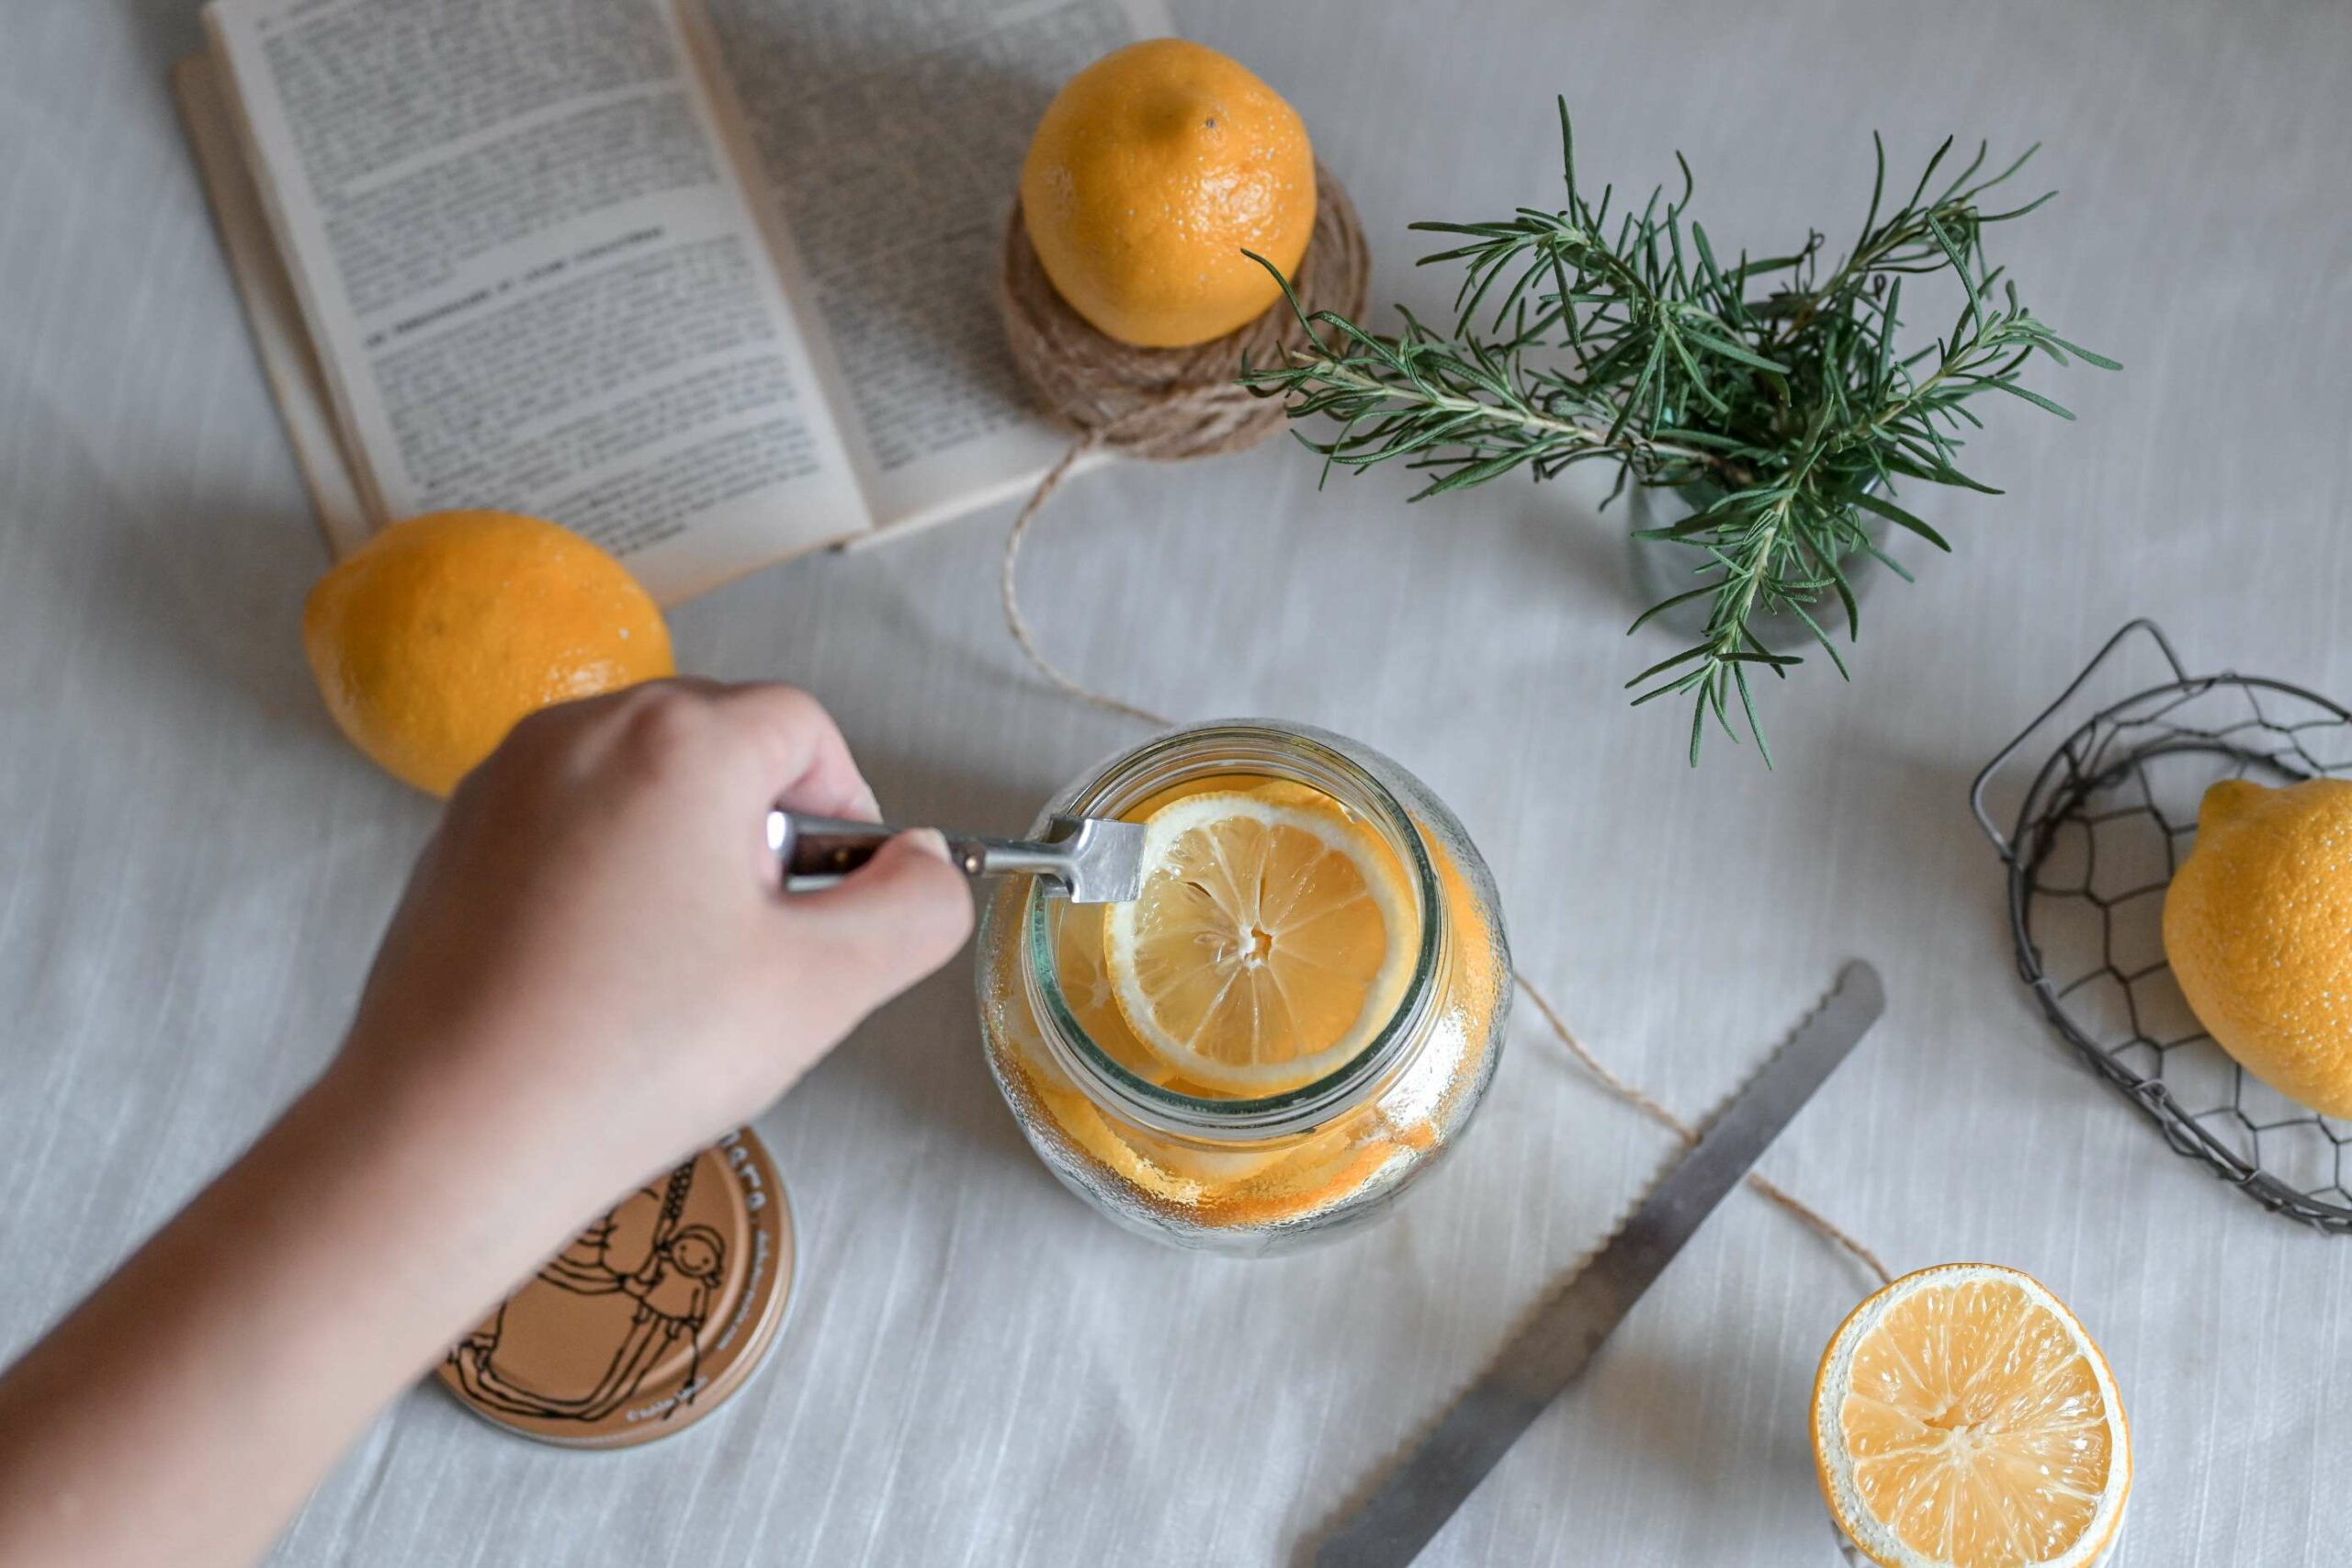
x=1297, y=1016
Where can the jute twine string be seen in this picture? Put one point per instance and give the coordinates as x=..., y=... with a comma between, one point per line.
x=1163, y=403
x=1632, y=1095
x=1170, y=404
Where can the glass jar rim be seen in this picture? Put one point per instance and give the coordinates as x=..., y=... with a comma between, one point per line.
x=1300, y=1109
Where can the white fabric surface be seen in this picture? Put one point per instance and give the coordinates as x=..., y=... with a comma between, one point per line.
x=195, y=867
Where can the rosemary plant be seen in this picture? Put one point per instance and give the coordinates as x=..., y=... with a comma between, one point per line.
x=1778, y=382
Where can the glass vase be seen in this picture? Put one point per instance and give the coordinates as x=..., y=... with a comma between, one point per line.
x=1664, y=567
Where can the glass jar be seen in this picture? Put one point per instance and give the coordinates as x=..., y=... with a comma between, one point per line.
x=1250, y=1175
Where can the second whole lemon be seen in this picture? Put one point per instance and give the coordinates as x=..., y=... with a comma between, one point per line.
x=440, y=634
x=1152, y=171
x=2258, y=931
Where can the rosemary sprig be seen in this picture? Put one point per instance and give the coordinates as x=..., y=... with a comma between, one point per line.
x=1774, y=386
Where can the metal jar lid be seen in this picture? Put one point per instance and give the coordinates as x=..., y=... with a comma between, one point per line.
x=651, y=1319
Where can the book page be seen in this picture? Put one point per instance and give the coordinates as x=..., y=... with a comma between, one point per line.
x=890, y=135
x=287, y=360
x=532, y=279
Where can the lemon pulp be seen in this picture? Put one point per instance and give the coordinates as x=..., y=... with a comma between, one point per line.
x=1964, y=1419
x=1256, y=1182
x=1274, y=937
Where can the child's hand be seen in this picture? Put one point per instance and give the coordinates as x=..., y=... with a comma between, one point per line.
x=594, y=973
x=594, y=949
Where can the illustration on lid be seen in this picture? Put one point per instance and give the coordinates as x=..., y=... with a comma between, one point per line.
x=660, y=1307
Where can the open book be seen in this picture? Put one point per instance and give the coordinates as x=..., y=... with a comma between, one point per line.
x=710, y=282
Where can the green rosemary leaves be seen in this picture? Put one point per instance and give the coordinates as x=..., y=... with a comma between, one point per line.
x=1776, y=384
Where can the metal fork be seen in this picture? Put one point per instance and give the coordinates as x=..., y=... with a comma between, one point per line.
x=1088, y=860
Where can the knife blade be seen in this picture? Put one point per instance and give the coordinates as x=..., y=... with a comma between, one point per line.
x=1425, y=1488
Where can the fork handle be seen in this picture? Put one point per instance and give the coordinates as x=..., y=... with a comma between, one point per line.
x=814, y=848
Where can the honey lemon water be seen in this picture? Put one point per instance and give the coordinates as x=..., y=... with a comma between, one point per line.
x=1299, y=1012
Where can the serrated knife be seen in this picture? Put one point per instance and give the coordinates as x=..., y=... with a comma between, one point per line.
x=1431, y=1481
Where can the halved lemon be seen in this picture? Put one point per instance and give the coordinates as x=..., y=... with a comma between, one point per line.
x=1963, y=1418
x=1273, y=939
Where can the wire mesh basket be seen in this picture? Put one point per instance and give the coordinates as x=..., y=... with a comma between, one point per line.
x=2105, y=819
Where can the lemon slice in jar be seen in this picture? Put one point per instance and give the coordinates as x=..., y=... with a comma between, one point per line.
x=1086, y=986
x=1273, y=937
x=1965, y=1418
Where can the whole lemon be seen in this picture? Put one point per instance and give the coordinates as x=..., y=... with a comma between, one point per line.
x=435, y=638
x=1153, y=170
x=2258, y=929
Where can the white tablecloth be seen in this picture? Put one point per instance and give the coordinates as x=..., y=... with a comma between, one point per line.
x=194, y=867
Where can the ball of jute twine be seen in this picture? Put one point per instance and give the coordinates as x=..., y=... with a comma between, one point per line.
x=1170, y=404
